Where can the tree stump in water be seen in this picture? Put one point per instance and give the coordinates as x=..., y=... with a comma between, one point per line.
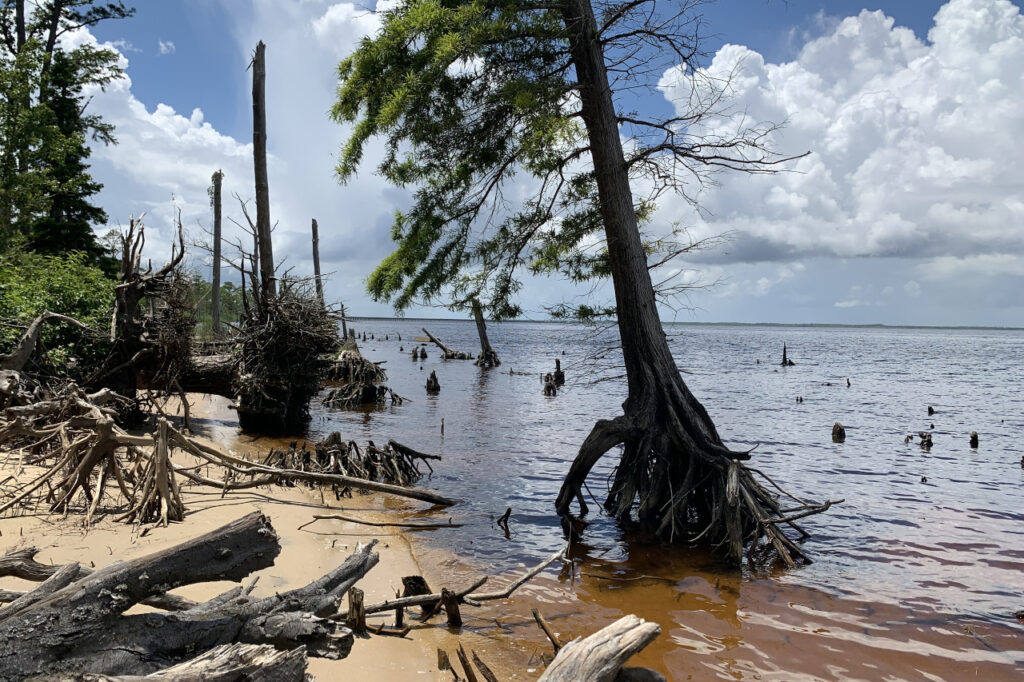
x=838, y=433
x=550, y=387
x=559, y=376
x=433, y=385
x=974, y=439
x=446, y=352
x=786, y=362
x=423, y=352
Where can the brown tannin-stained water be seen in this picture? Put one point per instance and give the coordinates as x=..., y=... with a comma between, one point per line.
x=917, y=576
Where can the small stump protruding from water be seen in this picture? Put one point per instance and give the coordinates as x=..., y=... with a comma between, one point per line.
x=423, y=352
x=838, y=433
x=926, y=440
x=931, y=410
x=786, y=362
x=433, y=385
x=559, y=375
x=550, y=387
x=974, y=439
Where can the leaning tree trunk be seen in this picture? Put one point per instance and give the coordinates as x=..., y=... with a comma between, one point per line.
x=487, y=357
x=675, y=473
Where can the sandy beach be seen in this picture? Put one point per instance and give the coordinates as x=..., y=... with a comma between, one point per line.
x=306, y=555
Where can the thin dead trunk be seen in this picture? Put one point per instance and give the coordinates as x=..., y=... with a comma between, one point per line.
x=487, y=357
x=316, y=262
x=268, y=288
x=218, y=178
x=19, y=24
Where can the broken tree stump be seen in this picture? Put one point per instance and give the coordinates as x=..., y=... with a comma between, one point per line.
x=433, y=385
x=838, y=433
x=786, y=362
x=559, y=375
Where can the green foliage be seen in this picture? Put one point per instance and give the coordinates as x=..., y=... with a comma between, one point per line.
x=467, y=95
x=31, y=284
x=200, y=298
x=45, y=187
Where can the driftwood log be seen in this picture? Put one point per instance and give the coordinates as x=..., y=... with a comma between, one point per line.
x=78, y=624
x=446, y=352
x=600, y=657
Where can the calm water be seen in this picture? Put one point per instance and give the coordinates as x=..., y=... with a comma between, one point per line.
x=913, y=578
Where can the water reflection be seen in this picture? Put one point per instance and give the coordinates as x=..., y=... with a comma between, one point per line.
x=913, y=578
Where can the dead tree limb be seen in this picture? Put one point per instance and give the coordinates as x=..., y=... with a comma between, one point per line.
x=26, y=345
x=600, y=657
x=447, y=353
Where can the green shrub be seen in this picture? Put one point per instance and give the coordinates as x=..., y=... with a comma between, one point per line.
x=31, y=283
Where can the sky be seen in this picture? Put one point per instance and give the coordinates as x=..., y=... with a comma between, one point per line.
x=909, y=208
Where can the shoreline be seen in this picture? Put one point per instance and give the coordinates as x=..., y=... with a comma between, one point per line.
x=305, y=555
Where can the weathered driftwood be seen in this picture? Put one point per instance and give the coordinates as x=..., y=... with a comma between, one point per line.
x=446, y=352
x=600, y=657
x=224, y=663
x=79, y=625
x=382, y=524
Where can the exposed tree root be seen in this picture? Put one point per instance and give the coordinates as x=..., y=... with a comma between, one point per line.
x=349, y=366
x=358, y=394
x=676, y=479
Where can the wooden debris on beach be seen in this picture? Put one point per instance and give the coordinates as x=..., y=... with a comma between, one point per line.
x=75, y=624
x=76, y=456
x=446, y=352
x=601, y=656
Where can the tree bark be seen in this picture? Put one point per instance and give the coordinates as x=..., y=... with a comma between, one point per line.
x=82, y=627
x=218, y=178
x=316, y=263
x=487, y=357
x=27, y=343
x=600, y=657
x=19, y=24
x=268, y=287
x=672, y=475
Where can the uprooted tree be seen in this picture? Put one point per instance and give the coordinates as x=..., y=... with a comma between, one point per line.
x=470, y=94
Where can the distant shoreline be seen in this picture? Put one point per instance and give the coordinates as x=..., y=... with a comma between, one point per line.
x=809, y=325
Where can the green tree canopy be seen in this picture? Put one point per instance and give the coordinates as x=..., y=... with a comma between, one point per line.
x=45, y=187
x=473, y=96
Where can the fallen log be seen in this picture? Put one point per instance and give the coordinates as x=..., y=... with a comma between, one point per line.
x=600, y=657
x=446, y=352
x=79, y=625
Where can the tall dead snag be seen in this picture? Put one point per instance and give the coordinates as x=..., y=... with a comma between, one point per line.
x=215, y=199
x=316, y=263
x=259, y=160
x=487, y=356
x=72, y=624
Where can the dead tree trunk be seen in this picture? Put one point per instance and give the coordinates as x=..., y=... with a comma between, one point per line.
x=218, y=178
x=487, y=357
x=79, y=625
x=259, y=152
x=675, y=474
x=316, y=263
x=446, y=352
x=27, y=344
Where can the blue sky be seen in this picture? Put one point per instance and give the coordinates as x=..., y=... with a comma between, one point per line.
x=910, y=208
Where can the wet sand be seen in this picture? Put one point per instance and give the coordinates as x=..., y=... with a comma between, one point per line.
x=305, y=555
